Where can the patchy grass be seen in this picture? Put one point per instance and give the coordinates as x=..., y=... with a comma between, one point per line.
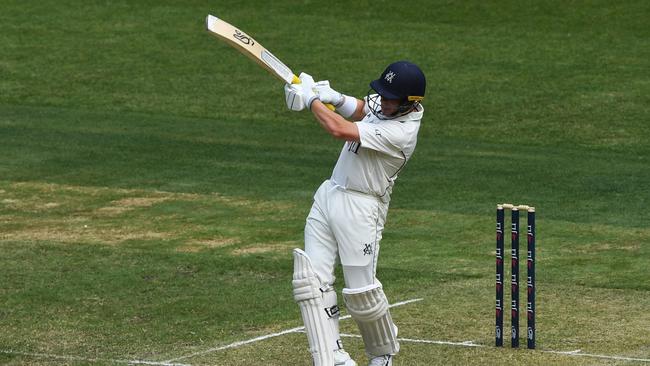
x=72, y=214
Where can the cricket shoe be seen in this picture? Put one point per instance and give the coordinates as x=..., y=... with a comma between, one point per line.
x=342, y=358
x=385, y=360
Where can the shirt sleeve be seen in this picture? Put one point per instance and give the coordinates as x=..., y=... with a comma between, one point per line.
x=385, y=137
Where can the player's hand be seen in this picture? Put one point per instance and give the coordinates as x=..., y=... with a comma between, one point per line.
x=307, y=84
x=328, y=95
x=293, y=97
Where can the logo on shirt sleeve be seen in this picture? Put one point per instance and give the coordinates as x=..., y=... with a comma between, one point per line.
x=354, y=146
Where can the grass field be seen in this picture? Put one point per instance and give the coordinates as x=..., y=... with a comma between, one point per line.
x=153, y=184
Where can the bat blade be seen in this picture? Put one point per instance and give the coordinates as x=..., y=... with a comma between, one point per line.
x=250, y=47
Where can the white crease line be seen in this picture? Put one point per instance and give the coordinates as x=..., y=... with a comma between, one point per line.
x=574, y=353
x=238, y=344
x=264, y=337
x=409, y=340
x=567, y=352
x=448, y=343
x=78, y=358
x=578, y=353
x=156, y=363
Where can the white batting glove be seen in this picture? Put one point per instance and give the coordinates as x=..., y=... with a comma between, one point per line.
x=307, y=84
x=293, y=97
x=328, y=95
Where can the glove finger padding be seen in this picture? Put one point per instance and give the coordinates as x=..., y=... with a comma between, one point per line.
x=322, y=84
x=307, y=84
x=306, y=80
x=326, y=94
x=294, y=97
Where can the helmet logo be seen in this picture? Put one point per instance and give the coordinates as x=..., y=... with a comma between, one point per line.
x=389, y=77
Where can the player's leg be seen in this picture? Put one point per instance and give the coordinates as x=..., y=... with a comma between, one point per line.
x=359, y=237
x=321, y=253
x=369, y=308
x=308, y=295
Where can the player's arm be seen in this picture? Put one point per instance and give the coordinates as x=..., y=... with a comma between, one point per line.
x=347, y=107
x=313, y=96
x=335, y=124
x=359, y=112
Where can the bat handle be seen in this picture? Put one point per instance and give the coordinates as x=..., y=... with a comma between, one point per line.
x=296, y=80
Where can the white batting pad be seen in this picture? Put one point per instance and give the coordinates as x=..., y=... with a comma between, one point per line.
x=307, y=293
x=294, y=97
x=368, y=307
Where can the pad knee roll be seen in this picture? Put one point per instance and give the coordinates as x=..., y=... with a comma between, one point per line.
x=368, y=307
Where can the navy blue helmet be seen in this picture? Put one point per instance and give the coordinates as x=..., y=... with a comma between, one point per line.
x=402, y=81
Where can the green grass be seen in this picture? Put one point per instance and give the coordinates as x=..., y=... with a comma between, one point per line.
x=152, y=183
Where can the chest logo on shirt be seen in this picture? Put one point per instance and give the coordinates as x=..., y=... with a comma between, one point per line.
x=377, y=132
x=367, y=249
x=354, y=146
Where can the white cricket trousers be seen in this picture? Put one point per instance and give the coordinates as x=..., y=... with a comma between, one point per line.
x=347, y=225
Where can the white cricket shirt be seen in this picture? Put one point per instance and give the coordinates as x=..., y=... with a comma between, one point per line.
x=372, y=166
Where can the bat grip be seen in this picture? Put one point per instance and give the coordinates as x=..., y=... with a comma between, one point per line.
x=296, y=80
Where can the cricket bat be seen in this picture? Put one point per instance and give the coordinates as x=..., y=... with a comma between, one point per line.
x=245, y=44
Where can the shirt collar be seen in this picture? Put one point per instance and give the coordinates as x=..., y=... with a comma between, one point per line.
x=416, y=115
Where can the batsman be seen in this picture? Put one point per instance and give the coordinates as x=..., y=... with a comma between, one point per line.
x=346, y=220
